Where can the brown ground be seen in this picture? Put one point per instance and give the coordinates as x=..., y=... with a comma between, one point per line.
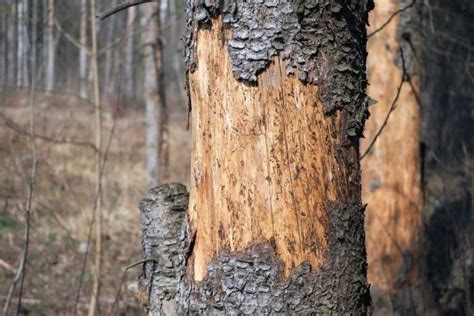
x=63, y=200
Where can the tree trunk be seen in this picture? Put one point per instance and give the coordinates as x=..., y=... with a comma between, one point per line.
x=129, y=56
x=391, y=174
x=51, y=48
x=278, y=94
x=154, y=101
x=109, y=56
x=83, y=77
x=14, y=46
x=22, y=51
x=94, y=304
x=34, y=41
x=5, y=48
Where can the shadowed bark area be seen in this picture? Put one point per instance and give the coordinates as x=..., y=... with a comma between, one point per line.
x=391, y=170
x=278, y=103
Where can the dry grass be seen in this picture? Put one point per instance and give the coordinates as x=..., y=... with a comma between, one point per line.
x=64, y=196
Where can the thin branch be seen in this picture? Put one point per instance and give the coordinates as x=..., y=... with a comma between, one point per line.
x=31, y=184
x=18, y=129
x=124, y=273
x=55, y=92
x=394, y=14
x=71, y=38
x=120, y=7
x=392, y=107
x=92, y=222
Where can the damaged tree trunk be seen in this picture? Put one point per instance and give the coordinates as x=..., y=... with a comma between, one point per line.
x=278, y=95
x=391, y=175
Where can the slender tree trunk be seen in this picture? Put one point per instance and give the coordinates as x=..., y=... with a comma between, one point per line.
x=22, y=43
x=109, y=56
x=391, y=175
x=14, y=46
x=278, y=94
x=94, y=304
x=154, y=102
x=175, y=57
x=83, y=76
x=34, y=40
x=5, y=48
x=51, y=48
x=129, y=56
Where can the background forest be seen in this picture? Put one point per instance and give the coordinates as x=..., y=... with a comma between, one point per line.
x=94, y=112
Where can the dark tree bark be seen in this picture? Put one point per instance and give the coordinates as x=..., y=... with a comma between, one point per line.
x=278, y=95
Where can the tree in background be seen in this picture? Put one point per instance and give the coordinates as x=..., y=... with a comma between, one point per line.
x=128, y=78
x=51, y=47
x=154, y=101
x=83, y=51
x=278, y=94
x=391, y=166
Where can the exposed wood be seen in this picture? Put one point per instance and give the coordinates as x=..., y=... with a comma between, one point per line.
x=255, y=174
x=391, y=178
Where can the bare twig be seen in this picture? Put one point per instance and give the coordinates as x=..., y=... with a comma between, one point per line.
x=91, y=225
x=8, y=267
x=71, y=38
x=124, y=273
x=392, y=107
x=394, y=14
x=120, y=7
x=55, y=92
x=18, y=129
x=20, y=275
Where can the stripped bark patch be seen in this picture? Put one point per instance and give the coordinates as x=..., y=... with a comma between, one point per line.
x=320, y=40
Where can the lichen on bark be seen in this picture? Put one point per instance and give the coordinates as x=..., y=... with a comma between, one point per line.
x=323, y=42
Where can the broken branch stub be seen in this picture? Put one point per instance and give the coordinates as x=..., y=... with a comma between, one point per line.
x=161, y=217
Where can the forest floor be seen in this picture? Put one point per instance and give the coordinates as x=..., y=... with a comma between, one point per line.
x=63, y=199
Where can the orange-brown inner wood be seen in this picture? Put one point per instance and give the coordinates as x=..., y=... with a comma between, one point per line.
x=263, y=161
x=391, y=172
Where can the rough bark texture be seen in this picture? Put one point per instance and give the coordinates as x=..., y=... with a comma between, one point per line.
x=162, y=215
x=275, y=171
x=391, y=171
x=448, y=98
